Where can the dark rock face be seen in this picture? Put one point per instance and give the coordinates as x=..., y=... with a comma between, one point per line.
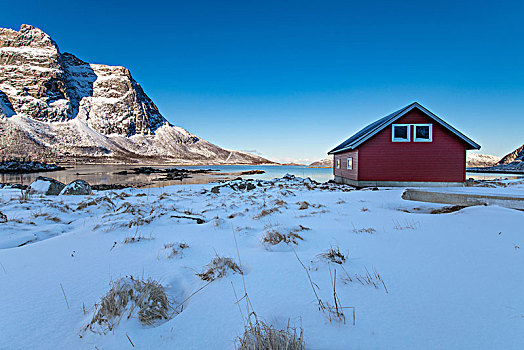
x=47, y=85
x=77, y=187
x=46, y=185
x=515, y=156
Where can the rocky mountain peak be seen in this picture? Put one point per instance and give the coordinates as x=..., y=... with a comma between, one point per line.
x=28, y=36
x=515, y=156
x=43, y=84
x=55, y=106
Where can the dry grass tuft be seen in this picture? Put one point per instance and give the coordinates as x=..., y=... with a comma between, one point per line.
x=218, y=268
x=3, y=218
x=265, y=212
x=368, y=279
x=408, y=225
x=334, y=312
x=334, y=255
x=261, y=336
x=54, y=219
x=369, y=230
x=273, y=237
x=176, y=250
x=137, y=238
x=25, y=196
x=126, y=295
x=303, y=205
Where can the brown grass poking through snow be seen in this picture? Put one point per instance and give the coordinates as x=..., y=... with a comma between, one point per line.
x=334, y=312
x=261, y=336
x=126, y=295
x=218, y=268
x=368, y=279
x=407, y=225
x=334, y=255
x=137, y=237
x=369, y=230
x=175, y=250
x=273, y=237
x=265, y=212
x=303, y=205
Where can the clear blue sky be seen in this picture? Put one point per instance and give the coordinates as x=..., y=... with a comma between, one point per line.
x=292, y=79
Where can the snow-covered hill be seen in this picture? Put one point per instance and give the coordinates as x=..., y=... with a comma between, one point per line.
x=511, y=162
x=323, y=163
x=55, y=106
x=481, y=160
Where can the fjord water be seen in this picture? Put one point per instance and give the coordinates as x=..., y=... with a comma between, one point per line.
x=108, y=174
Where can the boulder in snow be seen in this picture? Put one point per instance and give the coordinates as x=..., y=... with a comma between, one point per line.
x=46, y=185
x=77, y=187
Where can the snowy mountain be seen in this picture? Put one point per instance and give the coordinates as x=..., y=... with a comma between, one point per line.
x=57, y=107
x=512, y=162
x=481, y=160
x=323, y=163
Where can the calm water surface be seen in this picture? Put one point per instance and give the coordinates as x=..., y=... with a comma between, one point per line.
x=106, y=174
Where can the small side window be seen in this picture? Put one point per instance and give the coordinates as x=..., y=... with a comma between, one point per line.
x=401, y=133
x=338, y=163
x=350, y=163
x=423, y=133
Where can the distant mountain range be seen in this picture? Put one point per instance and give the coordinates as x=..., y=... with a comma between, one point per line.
x=511, y=162
x=323, y=163
x=481, y=160
x=56, y=107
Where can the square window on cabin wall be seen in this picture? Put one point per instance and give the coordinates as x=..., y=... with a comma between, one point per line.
x=338, y=163
x=350, y=163
x=423, y=132
x=401, y=133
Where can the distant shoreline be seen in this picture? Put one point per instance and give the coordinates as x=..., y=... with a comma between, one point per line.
x=494, y=171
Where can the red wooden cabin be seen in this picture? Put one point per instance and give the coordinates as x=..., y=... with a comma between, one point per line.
x=409, y=147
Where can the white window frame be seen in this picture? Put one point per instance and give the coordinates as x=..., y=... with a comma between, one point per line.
x=349, y=163
x=337, y=162
x=415, y=139
x=397, y=139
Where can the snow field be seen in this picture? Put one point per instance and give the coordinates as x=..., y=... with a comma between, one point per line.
x=453, y=280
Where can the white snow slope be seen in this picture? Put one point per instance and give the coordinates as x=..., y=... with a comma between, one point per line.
x=454, y=280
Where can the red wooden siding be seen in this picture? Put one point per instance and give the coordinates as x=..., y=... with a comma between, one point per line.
x=443, y=159
x=343, y=171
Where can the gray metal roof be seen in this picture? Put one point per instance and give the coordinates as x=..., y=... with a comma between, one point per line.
x=373, y=128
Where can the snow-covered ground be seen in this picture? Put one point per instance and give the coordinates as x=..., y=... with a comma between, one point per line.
x=453, y=280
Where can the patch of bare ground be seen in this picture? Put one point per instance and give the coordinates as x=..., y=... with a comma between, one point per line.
x=449, y=209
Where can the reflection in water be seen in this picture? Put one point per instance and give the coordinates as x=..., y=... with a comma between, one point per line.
x=106, y=174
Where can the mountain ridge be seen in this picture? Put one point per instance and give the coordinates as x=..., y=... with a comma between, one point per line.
x=56, y=107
